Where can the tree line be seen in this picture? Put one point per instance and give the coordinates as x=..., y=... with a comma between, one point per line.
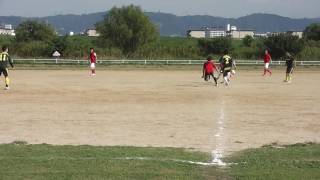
x=126, y=32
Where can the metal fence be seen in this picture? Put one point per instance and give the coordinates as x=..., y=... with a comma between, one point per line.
x=152, y=62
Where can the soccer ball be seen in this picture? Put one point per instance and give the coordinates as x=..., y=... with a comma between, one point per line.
x=233, y=72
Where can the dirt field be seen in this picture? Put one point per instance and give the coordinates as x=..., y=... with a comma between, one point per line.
x=159, y=108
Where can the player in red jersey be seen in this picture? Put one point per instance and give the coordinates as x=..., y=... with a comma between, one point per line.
x=208, y=69
x=267, y=59
x=93, y=61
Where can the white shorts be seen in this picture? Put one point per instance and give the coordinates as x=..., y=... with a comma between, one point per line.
x=266, y=65
x=93, y=65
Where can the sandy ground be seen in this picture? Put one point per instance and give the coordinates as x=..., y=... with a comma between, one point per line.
x=160, y=108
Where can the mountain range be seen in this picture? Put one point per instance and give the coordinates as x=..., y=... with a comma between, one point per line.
x=172, y=25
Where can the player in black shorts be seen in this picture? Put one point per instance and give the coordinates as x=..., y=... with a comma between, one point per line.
x=4, y=60
x=290, y=63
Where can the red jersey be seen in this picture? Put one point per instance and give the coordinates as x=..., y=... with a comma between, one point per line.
x=267, y=58
x=93, y=57
x=209, y=67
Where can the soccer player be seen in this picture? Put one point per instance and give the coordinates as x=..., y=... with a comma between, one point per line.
x=4, y=60
x=290, y=63
x=227, y=65
x=208, y=70
x=267, y=60
x=93, y=61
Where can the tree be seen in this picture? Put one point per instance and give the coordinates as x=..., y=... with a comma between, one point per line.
x=247, y=40
x=281, y=43
x=127, y=28
x=34, y=31
x=312, y=32
x=214, y=45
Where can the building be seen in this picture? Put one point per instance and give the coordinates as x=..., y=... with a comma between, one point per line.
x=92, y=33
x=196, y=33
x=260, y=35
x=293, y=33
x=7, y=30
x=240, y=34
x=215, y=32
x=296, y=33
x=207, y=33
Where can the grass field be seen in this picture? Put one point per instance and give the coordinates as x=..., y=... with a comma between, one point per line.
x=21, y=161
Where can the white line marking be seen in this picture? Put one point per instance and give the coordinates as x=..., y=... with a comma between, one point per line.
x=217, y=154
x=116, y=158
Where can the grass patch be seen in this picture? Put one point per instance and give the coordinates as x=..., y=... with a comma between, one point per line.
x=22, y=161
x=299, y=161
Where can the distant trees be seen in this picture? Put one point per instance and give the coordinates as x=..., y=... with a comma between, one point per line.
x=281, y=43
x=247, y=40
x=214, y=45
x=128, y=29
x=34, y=31
x=312, y=32
x=34, y=38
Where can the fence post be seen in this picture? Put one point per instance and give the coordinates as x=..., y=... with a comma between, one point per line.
x=145, y=62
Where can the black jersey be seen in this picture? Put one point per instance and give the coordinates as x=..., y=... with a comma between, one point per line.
x=290, y=62
x=227, y=62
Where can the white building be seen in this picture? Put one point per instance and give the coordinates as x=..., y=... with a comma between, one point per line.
x=196, y=33
x=296, y=33
x=7, y=30
x=215, y=32
x=240, y=34
x=293, y=33
x=92, y=33
x=230, y=31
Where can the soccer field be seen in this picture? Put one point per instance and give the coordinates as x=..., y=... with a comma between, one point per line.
x=160, y=108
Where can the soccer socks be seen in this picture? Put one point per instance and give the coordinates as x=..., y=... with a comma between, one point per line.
x=265, y=72
x=269, y=71
x=7, y=81
x=215, y=80
x=288, y=77
x=226, y=80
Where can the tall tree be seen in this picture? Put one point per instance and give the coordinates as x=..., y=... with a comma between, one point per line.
x=127, y=28
x=281, y=43
x=34, y=31
x=312, y=32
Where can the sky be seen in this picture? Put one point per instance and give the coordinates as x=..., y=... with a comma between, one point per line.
x=222, y=8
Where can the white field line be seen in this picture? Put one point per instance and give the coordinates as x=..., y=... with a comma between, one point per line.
x=115, y=158
x=217, y=153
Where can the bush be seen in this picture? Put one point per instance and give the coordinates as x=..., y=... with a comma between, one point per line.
x=279, y=44
x=215, y=45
